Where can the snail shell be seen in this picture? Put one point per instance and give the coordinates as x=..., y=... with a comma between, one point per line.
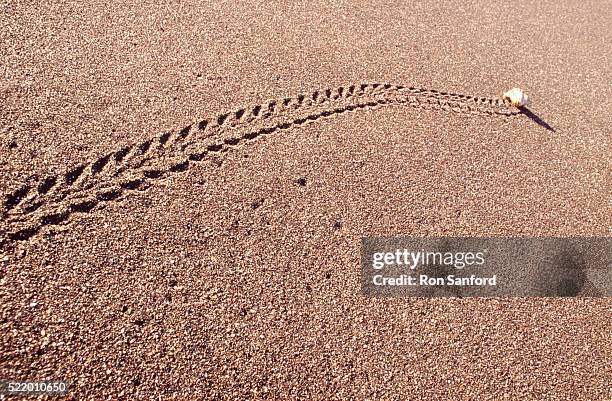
x=516, y=97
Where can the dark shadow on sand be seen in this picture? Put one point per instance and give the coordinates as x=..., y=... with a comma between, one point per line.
x=538, y=120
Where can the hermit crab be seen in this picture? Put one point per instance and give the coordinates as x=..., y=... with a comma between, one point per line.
x=516, y=97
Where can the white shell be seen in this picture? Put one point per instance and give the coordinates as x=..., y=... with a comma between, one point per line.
x=517, y=97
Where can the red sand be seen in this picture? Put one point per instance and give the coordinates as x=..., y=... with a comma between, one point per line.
x=239, y=277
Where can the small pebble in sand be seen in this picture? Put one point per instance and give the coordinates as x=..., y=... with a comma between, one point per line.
x=516, y=97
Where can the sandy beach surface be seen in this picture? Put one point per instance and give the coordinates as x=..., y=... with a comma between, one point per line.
x=221, y=261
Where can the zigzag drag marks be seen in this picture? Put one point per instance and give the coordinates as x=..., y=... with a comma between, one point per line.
x=54, y=199
x=54, y=189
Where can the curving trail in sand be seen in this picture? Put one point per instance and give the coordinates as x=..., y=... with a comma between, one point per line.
x=54, y=199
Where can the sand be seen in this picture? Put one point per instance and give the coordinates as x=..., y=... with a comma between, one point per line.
x=229, y=268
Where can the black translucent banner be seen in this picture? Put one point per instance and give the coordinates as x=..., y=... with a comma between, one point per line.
x=487, y=267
